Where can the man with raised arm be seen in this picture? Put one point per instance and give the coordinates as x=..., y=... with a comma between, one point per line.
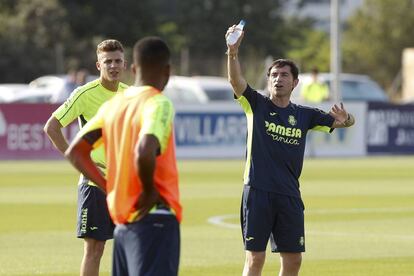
x=272, y=207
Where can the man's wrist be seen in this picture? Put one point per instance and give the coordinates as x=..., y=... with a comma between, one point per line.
x=349, y=121
x=232, y=54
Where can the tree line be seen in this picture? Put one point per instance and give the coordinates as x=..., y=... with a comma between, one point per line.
x=40, y=37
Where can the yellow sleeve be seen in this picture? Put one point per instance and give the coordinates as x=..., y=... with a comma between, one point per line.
x=157, y=119
x=72, y=108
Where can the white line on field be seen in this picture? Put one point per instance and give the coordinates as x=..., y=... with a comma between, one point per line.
x=360, y=210
x=365, y=235
x=220, y=220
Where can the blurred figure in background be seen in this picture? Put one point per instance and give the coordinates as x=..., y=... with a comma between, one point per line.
x=70, y=82
x=81, y=77
x=73, y=79
x=94, y=223
x=68, y=86
x=315, y=91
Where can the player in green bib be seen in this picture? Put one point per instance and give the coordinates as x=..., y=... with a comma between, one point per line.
x=94, y=223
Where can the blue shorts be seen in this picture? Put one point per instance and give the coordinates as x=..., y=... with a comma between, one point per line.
x=267, y=215
x=94, y=220
x=148, y=247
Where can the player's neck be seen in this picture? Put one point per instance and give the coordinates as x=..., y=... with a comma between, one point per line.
x=156, y=83
x=110, y=85
x=280, y=101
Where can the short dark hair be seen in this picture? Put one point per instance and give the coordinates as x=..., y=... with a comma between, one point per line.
x=109, y=45
x=285, y=62
x=151, y=52
x=315, y=70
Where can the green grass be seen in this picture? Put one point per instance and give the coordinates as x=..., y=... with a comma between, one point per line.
x=359, y=218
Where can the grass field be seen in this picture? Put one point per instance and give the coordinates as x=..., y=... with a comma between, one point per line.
x=359, y=218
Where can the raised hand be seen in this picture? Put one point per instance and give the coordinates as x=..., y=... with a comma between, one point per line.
x=234, y=47
x=339, y=113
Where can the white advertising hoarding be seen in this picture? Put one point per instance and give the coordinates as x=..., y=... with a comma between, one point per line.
x=343, y=141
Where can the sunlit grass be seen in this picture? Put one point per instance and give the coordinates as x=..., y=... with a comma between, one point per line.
x=359, y=218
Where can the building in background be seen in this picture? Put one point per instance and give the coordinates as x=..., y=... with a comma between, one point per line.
x=407, y=75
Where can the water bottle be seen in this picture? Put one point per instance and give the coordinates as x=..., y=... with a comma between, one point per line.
x=234, y=36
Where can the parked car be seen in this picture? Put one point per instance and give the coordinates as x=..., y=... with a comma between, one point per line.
x=180, y=89
x=216, y=88
x=9, y=90
x=32, y=95
x=23, y=93
x=45, y=89
x=353, y=87
x=55, y=85
x=198, y=89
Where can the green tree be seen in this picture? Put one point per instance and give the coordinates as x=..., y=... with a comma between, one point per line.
x=29, y=34
x=204, y=24
x=310, y=48
x=31, y=30
x=375, y=37
x=126, y=20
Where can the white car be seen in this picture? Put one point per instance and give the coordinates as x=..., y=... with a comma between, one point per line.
x=9, y=90
x=32, y=95
x=198, y=90
x=45, y=89
x=353, y=87
x=23, y=93
x=55, y=85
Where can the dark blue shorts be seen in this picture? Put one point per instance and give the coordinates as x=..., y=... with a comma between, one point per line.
x=148, y=247
x=94, y=220
x=267, y=215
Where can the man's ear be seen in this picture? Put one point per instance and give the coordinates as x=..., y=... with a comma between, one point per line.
x=295, y=83
x=133, y=69
x=98, y=66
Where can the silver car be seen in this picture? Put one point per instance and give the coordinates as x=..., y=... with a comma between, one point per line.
x=198, y=90
x=353, y=87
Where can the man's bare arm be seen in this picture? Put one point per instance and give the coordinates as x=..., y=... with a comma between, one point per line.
x=78, y=153
x=235, y=76
x=146, y=154
x=53, y=129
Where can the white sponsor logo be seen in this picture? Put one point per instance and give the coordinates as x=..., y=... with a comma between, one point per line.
x=197, y=130
x=84, y=220
x=28, y=136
